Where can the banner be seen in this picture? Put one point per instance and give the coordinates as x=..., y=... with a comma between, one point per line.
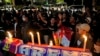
x=17, y=47
x=48, y=51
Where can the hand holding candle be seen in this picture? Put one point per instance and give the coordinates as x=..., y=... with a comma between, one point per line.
x=85, y=41
x=32, y=37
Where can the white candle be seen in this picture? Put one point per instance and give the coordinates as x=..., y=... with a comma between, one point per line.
x=32, y=37
x=38, y=36
x=51, y=43
x=85, y=41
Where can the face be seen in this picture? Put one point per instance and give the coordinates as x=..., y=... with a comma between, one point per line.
x=72, y=19
x=52, y=20
x=24, y=18
x=64, y=15
x=60, y=16
x=81, y=31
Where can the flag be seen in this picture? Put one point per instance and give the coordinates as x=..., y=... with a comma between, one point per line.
x=64, y=34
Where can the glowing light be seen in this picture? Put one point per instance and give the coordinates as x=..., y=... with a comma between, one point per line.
x=38, y=36
x=85, y=41
x=9, y=37
x=32, y=37
x=51, y=43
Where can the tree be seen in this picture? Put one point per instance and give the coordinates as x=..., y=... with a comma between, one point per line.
x=8, y=1
x=18, y=2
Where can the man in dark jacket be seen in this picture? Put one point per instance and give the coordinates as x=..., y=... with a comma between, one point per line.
x=25, y=28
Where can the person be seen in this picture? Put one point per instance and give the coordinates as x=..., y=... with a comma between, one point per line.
x=97, y=48
x=42, y=26
x=25, y=28
x=52, y=27
x=72, y=23
x=16, y=27
x=77, y=39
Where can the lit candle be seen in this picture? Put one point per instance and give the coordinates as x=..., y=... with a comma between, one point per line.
x=55, y=39
x=61, y=35
x=9, y=37
x=32, y=37
x=51, y=43
x=38, y=36
x=85, y=41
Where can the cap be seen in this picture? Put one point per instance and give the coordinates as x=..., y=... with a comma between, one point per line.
x=85, y=27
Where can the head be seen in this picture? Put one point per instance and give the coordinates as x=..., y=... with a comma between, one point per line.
x=98, y=41
x=15, y=19
x=83, y=28
x=72, y=19
x=52, y=20
x=64, y=16
x=88, y=20
x=60, y=15
x=25, y=18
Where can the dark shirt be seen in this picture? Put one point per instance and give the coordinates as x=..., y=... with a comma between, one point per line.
x=25, y=28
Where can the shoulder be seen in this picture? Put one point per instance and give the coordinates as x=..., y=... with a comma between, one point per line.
x=89, y=36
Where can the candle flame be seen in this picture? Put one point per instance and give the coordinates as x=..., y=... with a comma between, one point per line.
x=9, y=37
x=51, y=43
x=31, y=33
x=85, y=37
x=37, y=32
x=32, y=37
x=9, y=34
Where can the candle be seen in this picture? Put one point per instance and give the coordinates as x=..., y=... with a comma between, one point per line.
x=61, y=35
x=55, y=39
x=32, y=37
x=85, y=41
x=9, y=36
x=38, y=36
x=51, y=43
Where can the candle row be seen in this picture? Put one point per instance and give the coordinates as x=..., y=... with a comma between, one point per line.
x=39, y=41
x=38, y=37
x=9, y=38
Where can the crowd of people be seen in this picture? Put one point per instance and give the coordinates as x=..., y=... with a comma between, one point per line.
x=20, y=22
